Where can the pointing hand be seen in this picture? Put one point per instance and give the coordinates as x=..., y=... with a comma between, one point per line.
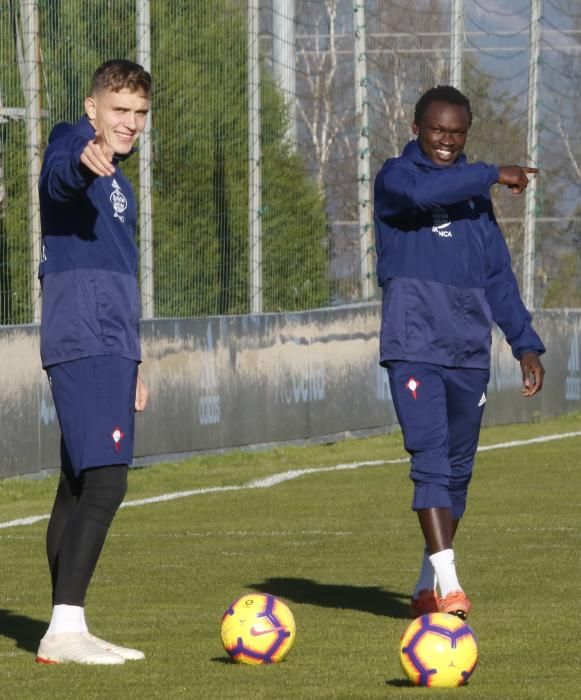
x=515, y=177
x=98, y=157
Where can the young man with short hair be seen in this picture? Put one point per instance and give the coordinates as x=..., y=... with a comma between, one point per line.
x=446, y=276
x=90, y=346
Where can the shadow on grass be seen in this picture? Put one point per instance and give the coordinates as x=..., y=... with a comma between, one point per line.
x=223, y=660
x=400, y=683
x=404, y=683
x=370, y=599
x=25, y=631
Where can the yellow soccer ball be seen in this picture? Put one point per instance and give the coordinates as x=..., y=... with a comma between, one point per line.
x=258, y=629
x=438, y=650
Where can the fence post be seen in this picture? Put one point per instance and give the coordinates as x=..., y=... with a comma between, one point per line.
x=456, y=43
x=254, y=161
x=143, y=25
x=32, y=117
x=284, y=58
x=363, y=151
x=532, y=157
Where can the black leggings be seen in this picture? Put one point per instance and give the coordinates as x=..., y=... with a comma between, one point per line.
x=83, y=510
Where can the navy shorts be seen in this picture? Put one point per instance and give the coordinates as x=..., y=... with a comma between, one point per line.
x=440, y=411
x=94, y=399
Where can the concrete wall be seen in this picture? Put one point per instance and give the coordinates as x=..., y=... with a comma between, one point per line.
x=225, y=382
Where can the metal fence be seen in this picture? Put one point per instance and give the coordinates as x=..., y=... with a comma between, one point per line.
x=270, y=119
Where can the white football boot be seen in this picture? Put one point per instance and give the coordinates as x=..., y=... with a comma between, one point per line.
x=126, y=652
x=74, y=647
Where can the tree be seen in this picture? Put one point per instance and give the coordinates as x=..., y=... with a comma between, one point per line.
x=201, y=173
x=564, y=288
x=15, y=306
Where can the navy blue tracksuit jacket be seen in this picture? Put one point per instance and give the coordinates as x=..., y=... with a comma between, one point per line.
x=443, y=264
x=88, y=272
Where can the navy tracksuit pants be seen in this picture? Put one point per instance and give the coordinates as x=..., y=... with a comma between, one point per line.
x=440, y=411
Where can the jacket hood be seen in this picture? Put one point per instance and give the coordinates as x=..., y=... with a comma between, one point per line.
x=59, y=131
x=413, y=152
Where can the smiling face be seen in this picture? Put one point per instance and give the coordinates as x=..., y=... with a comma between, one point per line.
x=442, y=132
x=118, y=117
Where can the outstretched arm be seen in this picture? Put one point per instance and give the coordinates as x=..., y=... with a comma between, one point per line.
x=71, y=164
x=399, y=189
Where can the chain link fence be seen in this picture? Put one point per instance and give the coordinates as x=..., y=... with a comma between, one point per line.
x=269, y=120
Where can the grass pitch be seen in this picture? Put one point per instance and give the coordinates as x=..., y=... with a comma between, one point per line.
x=341, y=547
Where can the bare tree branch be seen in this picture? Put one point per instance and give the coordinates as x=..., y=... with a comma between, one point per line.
x=324, y=123
x=567, y=143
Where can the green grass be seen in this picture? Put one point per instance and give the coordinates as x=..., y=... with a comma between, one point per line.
x=341, y=548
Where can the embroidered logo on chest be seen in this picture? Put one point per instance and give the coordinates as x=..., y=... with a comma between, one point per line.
x=118, y=201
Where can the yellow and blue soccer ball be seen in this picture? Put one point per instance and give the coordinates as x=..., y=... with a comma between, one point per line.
x=258, y=629
x=438, y=650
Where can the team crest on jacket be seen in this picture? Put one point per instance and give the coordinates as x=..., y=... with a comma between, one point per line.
x=412, y=386
x=118, y=200
x=117, y=436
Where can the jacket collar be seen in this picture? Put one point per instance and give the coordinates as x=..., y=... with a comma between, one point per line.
x=413, y=152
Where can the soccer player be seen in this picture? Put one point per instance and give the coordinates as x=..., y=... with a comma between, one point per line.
x=446, y=275
x=90, y=345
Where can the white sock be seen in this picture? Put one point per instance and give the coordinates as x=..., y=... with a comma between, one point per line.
x=67, y=618
x=445, y=568
x=427, y=578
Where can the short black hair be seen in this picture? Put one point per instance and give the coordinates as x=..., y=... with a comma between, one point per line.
x=441, y=93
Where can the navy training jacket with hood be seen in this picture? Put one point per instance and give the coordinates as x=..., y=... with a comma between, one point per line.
x=443, y=264
x=88, y=271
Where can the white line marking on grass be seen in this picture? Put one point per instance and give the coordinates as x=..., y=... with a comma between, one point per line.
x=530, y=441
x=217, y=533
x=275, y=479
x=24, y=521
